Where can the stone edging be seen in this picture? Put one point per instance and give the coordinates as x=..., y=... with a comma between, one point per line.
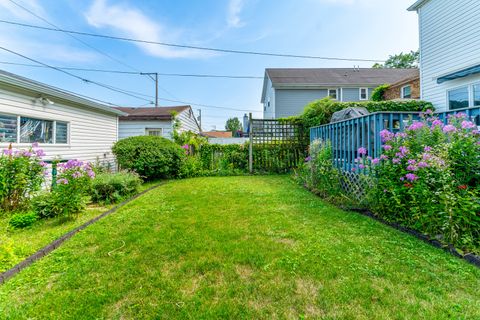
x=57, y=243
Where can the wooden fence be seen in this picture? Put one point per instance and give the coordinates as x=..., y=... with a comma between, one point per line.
x=349, y=135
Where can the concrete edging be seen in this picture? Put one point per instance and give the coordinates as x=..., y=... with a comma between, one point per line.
x=58, y=242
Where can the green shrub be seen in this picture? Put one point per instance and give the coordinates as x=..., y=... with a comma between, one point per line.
x=151, y=157
x=378, y=93
x=114, y=187
x=221, y=159
x=21, y=175
x=23, y=220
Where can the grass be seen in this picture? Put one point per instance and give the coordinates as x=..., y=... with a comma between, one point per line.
x=27, y=241
x=241, y=247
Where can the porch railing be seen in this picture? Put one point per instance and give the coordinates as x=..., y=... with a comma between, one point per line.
x=348, y=135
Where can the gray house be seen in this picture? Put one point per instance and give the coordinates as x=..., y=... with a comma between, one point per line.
x=287, y=91
x=156, y=121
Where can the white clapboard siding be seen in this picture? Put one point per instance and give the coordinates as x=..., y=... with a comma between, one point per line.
x=449, y=42
x=132, y=128
x=188, y=121
x=91, y=132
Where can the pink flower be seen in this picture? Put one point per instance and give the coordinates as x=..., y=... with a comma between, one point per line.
x=375, y=161
x=437, y=123
x=354, y=169
x=411, y=177
x=186, y=146
x=43, y=164
x=386, y=135
x=35, y=145
x=411, y=167
x=449, y=128
x=40, y=153
x=387, y=147
x=361, y=166
x=403, y=150
x=383, y=157
x=362, y=151
x=91, y=174
x=411, y=161
x=62, y=181
x=468, y=125
x=415, y=126
x=396, y=160
x=422, y=164
x=7, y=152
x=427, y=149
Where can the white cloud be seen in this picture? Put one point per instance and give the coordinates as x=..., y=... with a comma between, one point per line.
x=233, y=17
x=133, y=23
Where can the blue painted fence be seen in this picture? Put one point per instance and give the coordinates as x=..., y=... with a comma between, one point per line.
x=349, y=135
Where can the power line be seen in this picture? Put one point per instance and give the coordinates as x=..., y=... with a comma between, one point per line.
x=258, y=53
x=137, y=73
x=125, y=92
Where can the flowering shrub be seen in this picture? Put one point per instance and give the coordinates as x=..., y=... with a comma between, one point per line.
x=69, y=195
x=429, y=179
x=21, y=175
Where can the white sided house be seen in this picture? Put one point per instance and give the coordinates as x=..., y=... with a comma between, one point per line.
x=449, y=52
x=156, y=121
x=287, y=91
x=65, y=126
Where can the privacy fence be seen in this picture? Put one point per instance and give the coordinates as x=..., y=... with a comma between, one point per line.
x=348, y=135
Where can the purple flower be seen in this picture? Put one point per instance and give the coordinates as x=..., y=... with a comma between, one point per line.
x=411, y=167
x=40, y=153
x=387, y=147
x=7, y=152
x=376, y=161
x=386, y=135
x=384, y=157
x=468, y=125
x=437, y=123
x=427, y=149
x=412, y=162
x=402, y=179
x=396, y=160
x=361, y=166
x=449, y=128
x=426, y=156
x=35, y=145
x=91, y=174
x=43, y=164
x=62, y=181
x=411, y=177
x=401, y=135
x=307, y=159
x=186, y=146
x=76, y=174
x=461, y=115
x=422, y=164
x=415, y=126
x=362, y=151
x=354, y=169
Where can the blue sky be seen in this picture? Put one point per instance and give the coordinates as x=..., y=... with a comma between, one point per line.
x=367, y=29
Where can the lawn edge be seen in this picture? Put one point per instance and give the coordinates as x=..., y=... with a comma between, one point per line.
x=4, y=276
x=449, y=248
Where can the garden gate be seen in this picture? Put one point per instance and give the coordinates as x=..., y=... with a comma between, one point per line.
x=276, y=145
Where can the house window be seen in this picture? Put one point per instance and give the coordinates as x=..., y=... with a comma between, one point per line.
x=61, y=132
x=332, y=93
x=157, y=132
x=35, y=130
x=476, y=95
x=8, y=128
x=458, y=98
x=406, y=92
x=363, y=93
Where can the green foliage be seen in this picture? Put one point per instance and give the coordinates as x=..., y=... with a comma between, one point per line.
x=234, y=125
x=379, y=92
x=218, y=159
x=7, y=252
x=320, y=112
x=23, y=220
x=114, y=187
x=401, y=61
x=151, y=157
x=190, y=139
x=21, y=175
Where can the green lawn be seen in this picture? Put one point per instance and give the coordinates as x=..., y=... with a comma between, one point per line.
x=241, y=247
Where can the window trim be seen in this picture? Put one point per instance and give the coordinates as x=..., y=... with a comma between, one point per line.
x=336, y=93
x=54, y=131
x=470, y=95
x=147, y=131
x=360, y=94
x=402, y=94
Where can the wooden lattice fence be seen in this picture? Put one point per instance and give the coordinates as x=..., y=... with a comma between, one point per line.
x=276, y=145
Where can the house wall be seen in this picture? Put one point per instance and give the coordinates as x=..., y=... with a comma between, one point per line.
x=449, y=42
x=129, y=128
x=269, y=103
x=188, y=121
x=91, y=132
x=395, y=91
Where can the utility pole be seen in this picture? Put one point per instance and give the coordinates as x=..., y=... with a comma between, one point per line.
x=150, y=75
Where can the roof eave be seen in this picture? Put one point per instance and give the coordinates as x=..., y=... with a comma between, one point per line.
x=416, y=5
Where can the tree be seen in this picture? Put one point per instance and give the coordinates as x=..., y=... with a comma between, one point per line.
x=234, y=125
x=401, y=60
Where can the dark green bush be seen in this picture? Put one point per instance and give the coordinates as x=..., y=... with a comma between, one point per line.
x=151, y=157
x=23, y=220
x=221, y=159
x=114, y=187
x=378, y=93
x=54, y=204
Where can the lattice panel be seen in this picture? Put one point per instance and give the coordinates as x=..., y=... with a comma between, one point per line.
x=355, y=185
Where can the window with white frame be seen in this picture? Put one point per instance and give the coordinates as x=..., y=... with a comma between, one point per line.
x=476, y=95
x=363, y=93
x=458, y=98
x=18, y=129
x=406, y=92
x=333, y=93
x=157, y=132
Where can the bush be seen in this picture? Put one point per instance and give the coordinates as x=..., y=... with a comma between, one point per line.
x=69, y=196
x=23, y=220
x=320, y=112
x=114, y=187
x=378, y=93
x=151, y=157
x=428, y=179
x=224, y=159
x=21, y=175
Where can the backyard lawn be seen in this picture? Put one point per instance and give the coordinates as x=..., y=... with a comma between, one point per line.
x=241, y=247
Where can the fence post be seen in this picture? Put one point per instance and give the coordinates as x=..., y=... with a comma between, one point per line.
x=250, y=144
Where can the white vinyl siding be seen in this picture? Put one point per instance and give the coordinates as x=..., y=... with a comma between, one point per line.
x=188, y=121
x=449, y=42
x=139, y=128
x=291, y=102
x=92, y=133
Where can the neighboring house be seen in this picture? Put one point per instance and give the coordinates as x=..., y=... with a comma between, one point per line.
x=64, y=125
x=217, y=134
x=156, y=121
x=405, y=89
x=449, y=52
x=287, y=91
